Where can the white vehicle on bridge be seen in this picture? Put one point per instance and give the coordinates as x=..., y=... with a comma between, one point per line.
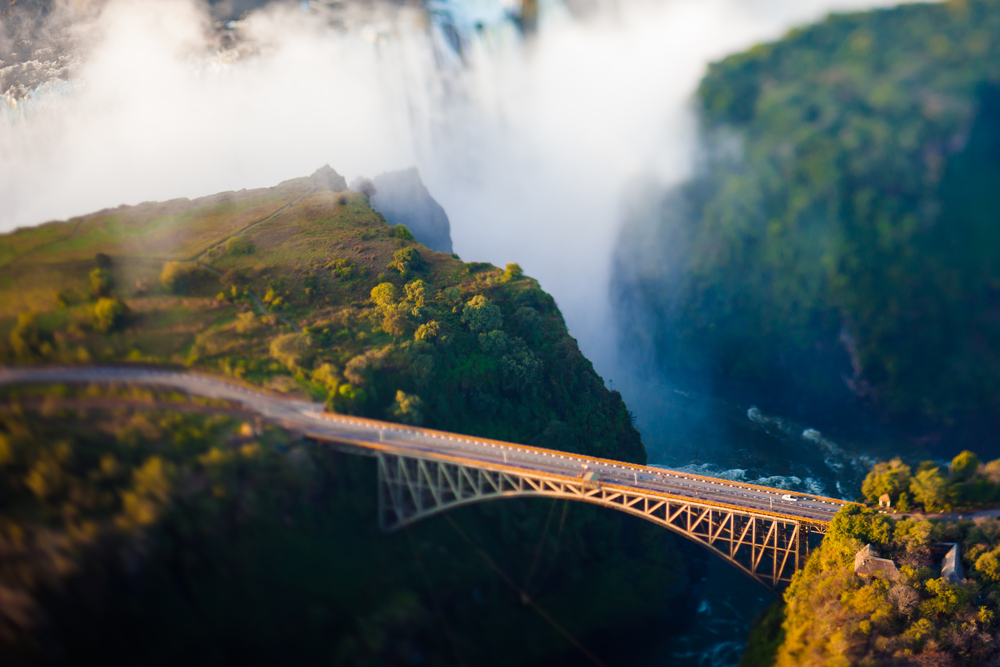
x=790, y=498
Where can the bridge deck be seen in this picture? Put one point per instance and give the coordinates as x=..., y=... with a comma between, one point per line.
x=376, y=436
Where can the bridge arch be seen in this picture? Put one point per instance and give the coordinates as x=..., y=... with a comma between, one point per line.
x=766, y=547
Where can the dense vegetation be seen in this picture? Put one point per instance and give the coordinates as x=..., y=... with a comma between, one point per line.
x=167, y=533
x=843, y=223
x=967, y=484
x=833, y=617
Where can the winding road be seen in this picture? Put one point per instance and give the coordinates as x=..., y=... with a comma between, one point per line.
x=373, y=436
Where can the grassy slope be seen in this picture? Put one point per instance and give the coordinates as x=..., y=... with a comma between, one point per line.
x=225, y=569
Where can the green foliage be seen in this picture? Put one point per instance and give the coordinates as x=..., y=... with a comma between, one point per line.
x=239, y=246
x=269, y=513
x=292, y=350
x=513, y=272
x=25, y=338
x=892, y=478
x=384, y=295
x=407, y=408
x=988, y=564
x=109, y=314
x=965, y=465
x=342, y=269
x=403, y=232
x=417, y=292
x=428, y=332
x=841, y=221
x=175, y=276
x=101, y=282
x=481, y=315
x=930, y=489
x=406, y=261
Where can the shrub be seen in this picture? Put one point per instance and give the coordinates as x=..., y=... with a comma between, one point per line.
x=240, y=245
x=100, y=282
x=930, y=488
x=292, y=349
x=481, y=315
x=342, y=269
x=416, y=292
x=384, y=296
x=25, y=337
x=365, y=186
x=406, y=261
x=965, y=465
x=407, y=408
x=109, y=314
x=428, y=332
x=176, y=276
x=396, y=323
x=403, y=232
x=513, y=272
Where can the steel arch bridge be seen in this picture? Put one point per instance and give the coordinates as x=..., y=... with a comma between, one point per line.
x=767, y=547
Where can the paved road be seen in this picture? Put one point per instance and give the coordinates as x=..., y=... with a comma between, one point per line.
x=310, y=419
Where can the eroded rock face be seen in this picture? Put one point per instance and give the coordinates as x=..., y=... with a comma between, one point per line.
x=404, y=200
x=327, y=177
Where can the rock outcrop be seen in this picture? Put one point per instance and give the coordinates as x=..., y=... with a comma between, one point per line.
x=404, y=200
x=327, y=177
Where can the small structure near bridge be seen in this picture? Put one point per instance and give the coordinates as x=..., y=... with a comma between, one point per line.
x=951, y=564
x=868, y=564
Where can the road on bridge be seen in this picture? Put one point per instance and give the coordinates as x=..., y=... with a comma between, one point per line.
x=311, y=419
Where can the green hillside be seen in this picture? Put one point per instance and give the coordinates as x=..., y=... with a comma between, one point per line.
x=147, y=528
x=843, y=224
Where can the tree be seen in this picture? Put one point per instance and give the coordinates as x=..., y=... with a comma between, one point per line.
x=384, y=295
x=407, y=260
x=965, y=465
x=25, y=337
x=110, y=314
x=481, y=315
x=930, y=488
x=407, y=408
x=513, y=272
x=291, y=349
x=416, y=292
x=175, y=276
x=365, y=186
x=892, y=477
x=100, y=282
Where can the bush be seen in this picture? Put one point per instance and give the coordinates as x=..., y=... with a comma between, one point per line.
x=240, y=245
x=109, y=314
x=481, y=315
x=513, y=272
x=100, y=282
x=403, y=232
x=292, y=350
x=407, y=408
x=176, y=276
x=384, y=296
x=406, y=261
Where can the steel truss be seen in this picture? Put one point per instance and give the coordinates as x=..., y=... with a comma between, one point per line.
x=767, y=547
